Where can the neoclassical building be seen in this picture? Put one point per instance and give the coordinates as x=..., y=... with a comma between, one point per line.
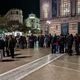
x=14, y=17
x=60, y=16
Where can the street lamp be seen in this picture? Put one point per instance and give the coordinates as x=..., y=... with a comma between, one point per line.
x=49, y=22
x=47, y=26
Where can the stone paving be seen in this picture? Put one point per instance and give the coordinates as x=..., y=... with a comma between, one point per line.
x=63, y=68
x=39, y=64
x=22, y=57
x=24, y=70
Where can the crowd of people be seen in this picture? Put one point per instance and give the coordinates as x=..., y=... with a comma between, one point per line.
x=8, y=44
x=57, y=43
x=66, y=44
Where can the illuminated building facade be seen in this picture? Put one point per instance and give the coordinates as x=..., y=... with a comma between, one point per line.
x=60, y=16
x=32, y=21
x=14, y=17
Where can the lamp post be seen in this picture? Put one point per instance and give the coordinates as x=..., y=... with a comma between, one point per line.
x=47, y=27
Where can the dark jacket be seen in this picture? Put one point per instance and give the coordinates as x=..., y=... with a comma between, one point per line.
x=2, y=44
x=12, y=43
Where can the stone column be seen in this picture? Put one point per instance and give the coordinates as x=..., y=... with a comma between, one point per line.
x=45, y=9
x=45, y=12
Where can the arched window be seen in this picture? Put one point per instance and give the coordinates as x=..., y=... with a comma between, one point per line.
x=65, y=7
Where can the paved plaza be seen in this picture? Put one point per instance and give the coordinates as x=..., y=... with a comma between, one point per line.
x=22, y=56
x=40, y=64
x=63, y=68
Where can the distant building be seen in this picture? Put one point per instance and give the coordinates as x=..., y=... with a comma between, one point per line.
x=3, y=20
x=32, y=21
x=60, y=16
x=14, y=17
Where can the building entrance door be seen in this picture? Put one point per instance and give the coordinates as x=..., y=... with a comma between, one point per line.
x=78, y=27
x=64, y=28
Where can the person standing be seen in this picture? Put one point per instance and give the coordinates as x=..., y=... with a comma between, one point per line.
x=77, y=43
x=70, y=40
x=49, y=40
x=12, y=43
x=53, y=44
x=61, y=43
x=41, y=40
x=31, y=41
x=7, y=45
x=2, y=45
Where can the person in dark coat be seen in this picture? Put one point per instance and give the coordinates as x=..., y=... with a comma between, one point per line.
x=31, y=41
x=12, y=43
x=21, y=42
x=7, y=45
x=2, y=45
x=61, y=43
x=53, y=44
x=77, y=43
x=70, y=40
x=49, y=40
x=41, y=40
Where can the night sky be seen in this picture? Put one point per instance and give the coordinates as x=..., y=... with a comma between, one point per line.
x=28, y=6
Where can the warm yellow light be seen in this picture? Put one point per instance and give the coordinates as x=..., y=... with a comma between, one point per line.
x=49, y=22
